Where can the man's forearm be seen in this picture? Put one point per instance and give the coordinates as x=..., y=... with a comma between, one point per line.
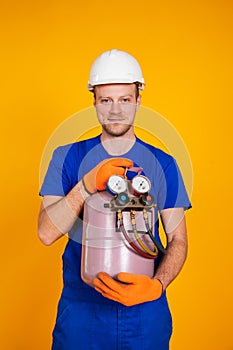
x=172, y=261
x=58, y=215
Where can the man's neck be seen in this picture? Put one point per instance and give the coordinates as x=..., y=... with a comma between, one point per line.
x=119, y=145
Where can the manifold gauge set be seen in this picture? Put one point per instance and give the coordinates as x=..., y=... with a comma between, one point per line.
x=118, y=229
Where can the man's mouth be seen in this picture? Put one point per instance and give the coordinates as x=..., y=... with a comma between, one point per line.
x=116, y=120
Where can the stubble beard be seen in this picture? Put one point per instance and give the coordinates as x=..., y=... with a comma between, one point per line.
x=116, y=131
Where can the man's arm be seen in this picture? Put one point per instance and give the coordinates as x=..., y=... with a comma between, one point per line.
x=58, y=214
x=177, y=245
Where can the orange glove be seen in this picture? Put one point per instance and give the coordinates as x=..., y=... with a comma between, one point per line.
x=98, y=177
x=135, y=289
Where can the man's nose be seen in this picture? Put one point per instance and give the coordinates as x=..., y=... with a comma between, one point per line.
x=115, y=108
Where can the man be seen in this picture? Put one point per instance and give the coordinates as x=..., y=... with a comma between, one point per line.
x=130, y=312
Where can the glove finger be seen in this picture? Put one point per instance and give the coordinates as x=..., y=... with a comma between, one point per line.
x=104, y=174
x=126, y=277
x=109, y=282
x=102, y=179
x=117, y=171
x=130, y=277
x=106, y=291
x=107, y=295
x=102, y=288
x=124, y=162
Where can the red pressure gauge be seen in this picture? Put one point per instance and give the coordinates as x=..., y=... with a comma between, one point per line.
x=141, y=184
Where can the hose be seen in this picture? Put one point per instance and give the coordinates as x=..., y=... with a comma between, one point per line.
x=140, y=242
x=134, y=246
x=157, y=244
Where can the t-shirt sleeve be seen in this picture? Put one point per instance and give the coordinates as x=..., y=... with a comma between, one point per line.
x=56, y=181
x=172, y=191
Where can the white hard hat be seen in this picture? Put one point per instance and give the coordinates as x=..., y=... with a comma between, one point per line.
x=113, y=67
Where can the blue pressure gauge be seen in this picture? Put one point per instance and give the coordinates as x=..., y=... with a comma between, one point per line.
x=116, y=184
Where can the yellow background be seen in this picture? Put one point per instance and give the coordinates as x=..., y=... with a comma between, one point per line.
x=185, y=49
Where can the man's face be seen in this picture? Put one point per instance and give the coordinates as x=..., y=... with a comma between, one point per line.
x=116, y=106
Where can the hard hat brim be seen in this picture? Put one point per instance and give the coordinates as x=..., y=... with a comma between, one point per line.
x=91, y=86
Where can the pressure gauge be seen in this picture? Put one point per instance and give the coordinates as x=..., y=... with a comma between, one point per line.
x=116, y=184
x=141, y=184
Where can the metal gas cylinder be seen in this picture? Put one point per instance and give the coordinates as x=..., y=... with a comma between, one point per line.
x=104, y=247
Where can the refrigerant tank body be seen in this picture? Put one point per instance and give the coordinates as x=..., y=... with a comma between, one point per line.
x=104, y=248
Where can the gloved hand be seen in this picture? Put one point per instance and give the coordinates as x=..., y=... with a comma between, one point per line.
x=98, y=177
x=135, y=289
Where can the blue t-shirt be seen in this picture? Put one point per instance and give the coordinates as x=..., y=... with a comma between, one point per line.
x=71, y=162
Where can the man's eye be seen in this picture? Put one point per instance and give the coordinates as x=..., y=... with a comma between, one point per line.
x=105, y=100
x=125, y=100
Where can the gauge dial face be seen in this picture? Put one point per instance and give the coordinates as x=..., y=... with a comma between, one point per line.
x=117, y=184
x=141, y=184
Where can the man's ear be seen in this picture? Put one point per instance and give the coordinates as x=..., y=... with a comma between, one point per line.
x=94, y=97
x=138, y=102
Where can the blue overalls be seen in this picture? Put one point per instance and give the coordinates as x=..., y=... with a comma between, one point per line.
x=88, y=321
